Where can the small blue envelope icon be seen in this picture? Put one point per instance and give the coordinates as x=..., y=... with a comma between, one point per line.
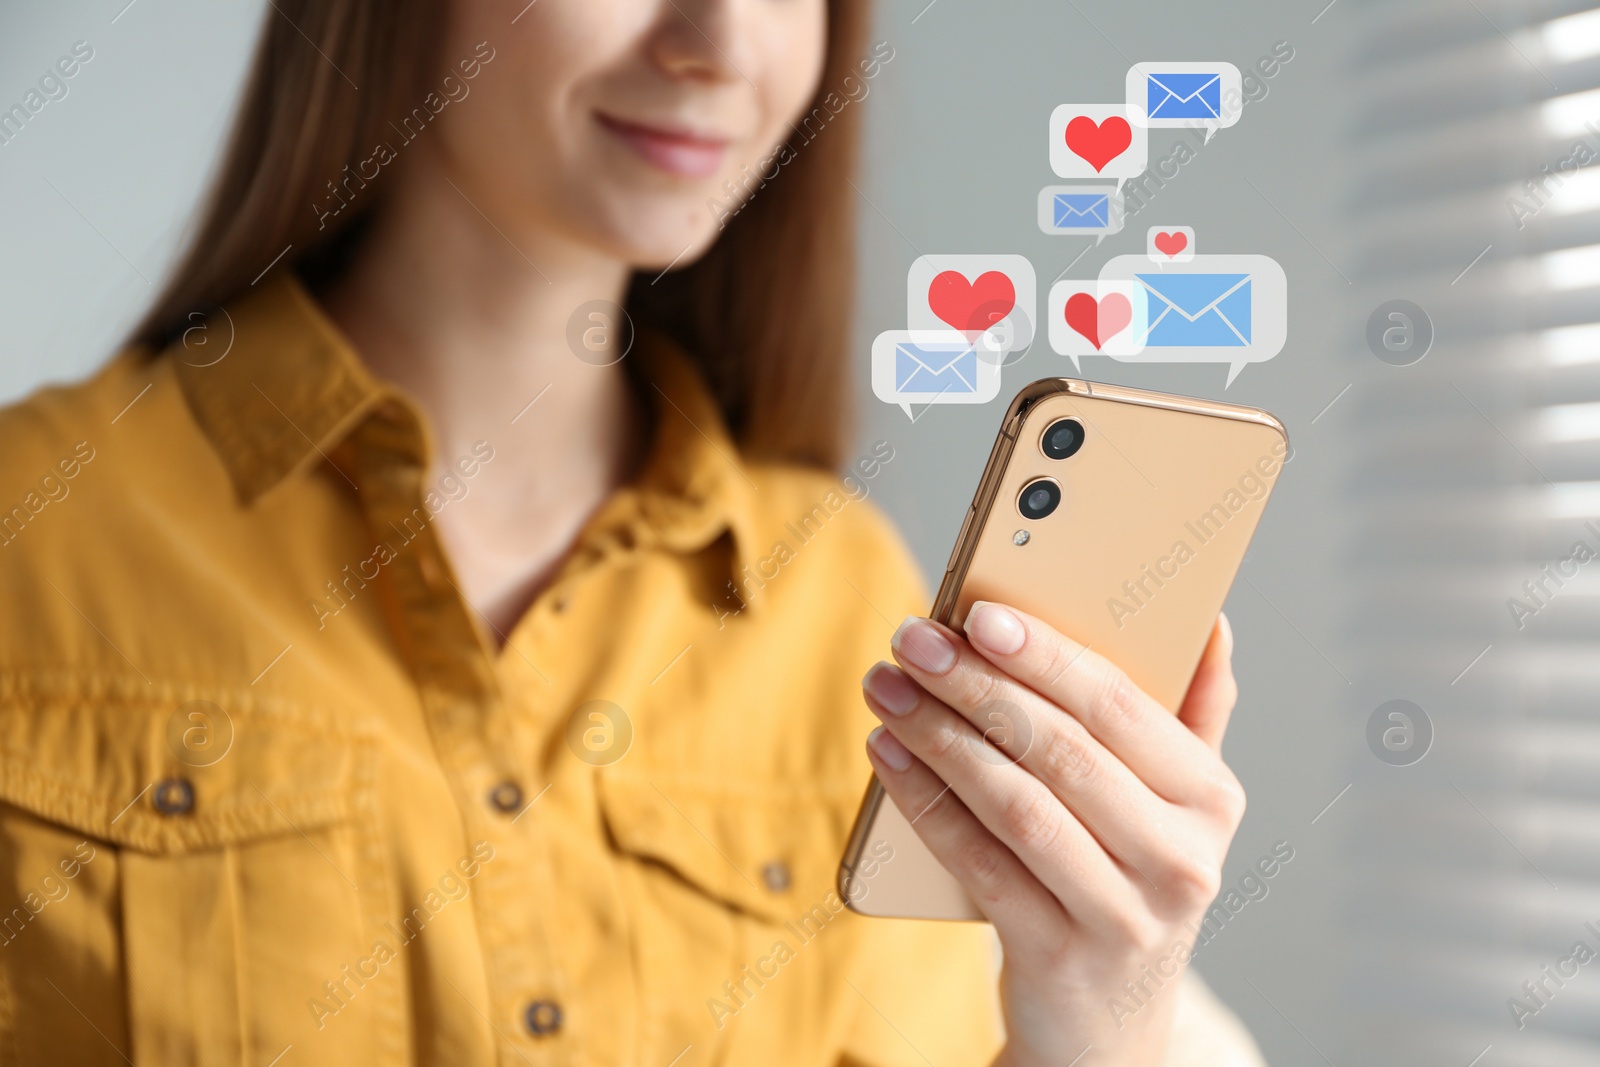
x=1198, y=310
x=1087, y=210
x=935, y=368
x=1185, y=96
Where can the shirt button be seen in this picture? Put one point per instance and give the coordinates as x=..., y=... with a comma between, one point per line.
x=543, y=1017
x=775, y=876
x=173, y=796
x=506, y=797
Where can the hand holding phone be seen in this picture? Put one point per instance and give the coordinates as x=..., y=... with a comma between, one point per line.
x=1095, y=849
x=1051, y=737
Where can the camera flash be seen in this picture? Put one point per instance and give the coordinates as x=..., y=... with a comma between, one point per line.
x=1020, y=537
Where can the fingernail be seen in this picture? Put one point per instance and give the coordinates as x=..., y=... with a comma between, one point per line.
x=996, y=628
x=887, y=747
x=919, y=643
x=1227, y=633
x=889, y=686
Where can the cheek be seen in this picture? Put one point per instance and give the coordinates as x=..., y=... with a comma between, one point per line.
x=795, y=49
x=523, y=98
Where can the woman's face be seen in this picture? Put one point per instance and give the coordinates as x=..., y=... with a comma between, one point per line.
x=617, y=123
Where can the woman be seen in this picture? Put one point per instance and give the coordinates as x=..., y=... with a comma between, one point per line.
x=390, y=680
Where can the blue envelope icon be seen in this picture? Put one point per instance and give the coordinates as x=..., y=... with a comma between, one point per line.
x=1198, y=310
x=1087, y=210
x=935, y=368
x=1185, y=96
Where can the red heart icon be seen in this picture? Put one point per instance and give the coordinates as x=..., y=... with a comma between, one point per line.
x=1099, y=144
x=1099, y=321
x=1170, y=244
x=972, y=305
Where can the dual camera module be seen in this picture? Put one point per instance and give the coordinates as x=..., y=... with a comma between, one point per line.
x=1061, y=440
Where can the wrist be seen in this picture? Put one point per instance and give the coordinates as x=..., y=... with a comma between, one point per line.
x=1050, y=1026
x=1014, y=1054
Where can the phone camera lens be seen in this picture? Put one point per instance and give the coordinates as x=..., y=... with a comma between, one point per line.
x=1039, y=498
x=1062, y=438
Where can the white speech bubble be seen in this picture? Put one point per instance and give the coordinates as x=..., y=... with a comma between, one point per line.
x=1231, y=309
x=1074, y=209
x=960, y=292
x=1097, y=141
x=1169, y=244
x=1094, y=318
x=935, y=367
x=1182, y=96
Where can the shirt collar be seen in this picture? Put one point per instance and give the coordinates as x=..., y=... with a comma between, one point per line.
x=289, y=389
x=286, y=389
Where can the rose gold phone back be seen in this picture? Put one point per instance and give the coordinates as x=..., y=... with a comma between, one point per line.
x=1158, y=507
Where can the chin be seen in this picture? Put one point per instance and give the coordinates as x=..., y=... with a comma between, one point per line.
x=654, y=232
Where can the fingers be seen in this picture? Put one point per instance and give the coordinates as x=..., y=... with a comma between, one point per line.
x=1160, y=750
x=1005, y=891
x=1068, y=785
x=1209, y=702
x=1014, y=805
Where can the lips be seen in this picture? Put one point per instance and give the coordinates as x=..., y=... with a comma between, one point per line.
x=676, y=151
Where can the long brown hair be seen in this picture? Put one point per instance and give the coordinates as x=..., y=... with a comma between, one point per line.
x=765, y=312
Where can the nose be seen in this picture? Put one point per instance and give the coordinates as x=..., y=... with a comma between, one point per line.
x=699, y=40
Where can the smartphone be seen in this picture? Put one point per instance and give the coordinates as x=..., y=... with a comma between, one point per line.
x=1120, y=517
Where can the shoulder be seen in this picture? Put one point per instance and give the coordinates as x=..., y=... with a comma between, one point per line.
x=91, y=478
x=61, y=419
x=55, y=437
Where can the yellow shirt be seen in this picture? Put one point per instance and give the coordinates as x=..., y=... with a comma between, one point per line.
x=268, y=797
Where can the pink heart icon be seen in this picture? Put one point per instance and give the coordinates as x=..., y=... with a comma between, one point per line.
x=1099, y=321
x=1170, y=244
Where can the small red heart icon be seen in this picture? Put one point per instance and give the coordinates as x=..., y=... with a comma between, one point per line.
x=1170, y=244
x=1099, y=144
x=968, y=305
x=1099, y=321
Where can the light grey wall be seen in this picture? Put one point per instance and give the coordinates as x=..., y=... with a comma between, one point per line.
x=97, y=188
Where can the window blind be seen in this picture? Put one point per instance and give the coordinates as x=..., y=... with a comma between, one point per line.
x=1473, y=477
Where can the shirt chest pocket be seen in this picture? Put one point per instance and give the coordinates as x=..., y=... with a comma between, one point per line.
x=740, y=936
x=223, y=879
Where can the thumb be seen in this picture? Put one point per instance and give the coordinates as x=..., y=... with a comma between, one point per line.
x=1212, y=693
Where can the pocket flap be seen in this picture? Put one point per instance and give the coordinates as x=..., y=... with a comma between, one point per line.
x=106, y=759
x=770, y=850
